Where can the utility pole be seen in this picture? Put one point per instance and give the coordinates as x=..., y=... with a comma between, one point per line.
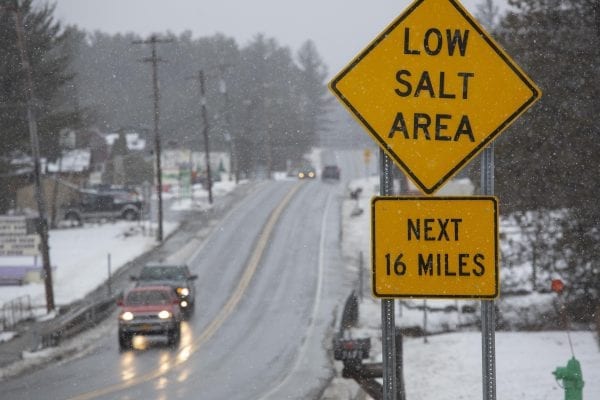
x=42, y=225
x=233, y=168
x=153, y=40
x=200, y=78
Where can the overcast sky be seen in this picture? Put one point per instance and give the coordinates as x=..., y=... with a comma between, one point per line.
x=339, y=28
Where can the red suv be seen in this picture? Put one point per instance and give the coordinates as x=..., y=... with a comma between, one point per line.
x=149, y=310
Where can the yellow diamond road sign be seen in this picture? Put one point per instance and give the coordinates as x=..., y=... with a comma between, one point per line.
x=439, y=247
x=433, y=89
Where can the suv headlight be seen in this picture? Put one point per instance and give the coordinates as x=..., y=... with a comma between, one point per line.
x=127, y=316
x=164, y=314
x=183, y=291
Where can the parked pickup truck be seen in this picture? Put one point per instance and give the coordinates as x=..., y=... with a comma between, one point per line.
x=96, y=204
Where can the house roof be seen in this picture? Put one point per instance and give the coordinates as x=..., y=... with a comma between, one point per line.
x=77, y=160
x=133, y=139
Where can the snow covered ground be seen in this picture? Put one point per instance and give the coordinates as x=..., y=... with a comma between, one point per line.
x=80, y=256
x=449, y=365
x=79, y=259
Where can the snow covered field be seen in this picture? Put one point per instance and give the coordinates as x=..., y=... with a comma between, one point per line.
x=79, y=257
x=448, y=365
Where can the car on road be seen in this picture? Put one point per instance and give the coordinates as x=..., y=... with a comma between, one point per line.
x=307, y=173
x=176, y=276
x=149, y=310
x=103, y=203
x=331, y=172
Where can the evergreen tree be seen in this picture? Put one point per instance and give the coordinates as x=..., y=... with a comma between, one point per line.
x=316, y=101
x=49, y=60
x=549, y=160
x=270, y=89
x=555, y=42
x=116, y=172
x=119, y=147
x=139, y=170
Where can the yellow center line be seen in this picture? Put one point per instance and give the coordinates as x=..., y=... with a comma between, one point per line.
x=216, y=323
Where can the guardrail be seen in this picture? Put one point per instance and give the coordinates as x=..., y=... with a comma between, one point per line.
x=72, y=322
x=352, y=352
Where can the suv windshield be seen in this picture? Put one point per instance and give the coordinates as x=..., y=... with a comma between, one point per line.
x=169, y=273
x=146, y=297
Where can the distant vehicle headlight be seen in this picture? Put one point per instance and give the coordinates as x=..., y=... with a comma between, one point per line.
x=183, y=291
x=127, y=316
x=301, y=175
x=311, y=174
x=183, y=304
x=164, y=314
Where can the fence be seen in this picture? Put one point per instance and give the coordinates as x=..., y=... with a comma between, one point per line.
x=14, y=311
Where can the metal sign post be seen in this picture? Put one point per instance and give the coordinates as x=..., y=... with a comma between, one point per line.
x=386, y=188
x=488, y=317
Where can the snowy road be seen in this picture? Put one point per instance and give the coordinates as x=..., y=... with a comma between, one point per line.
x=268, y=287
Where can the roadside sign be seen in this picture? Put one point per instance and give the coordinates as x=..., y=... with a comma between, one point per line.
x=433, y=90
x=435, y=247
x=16, y=225
x=22, y=245
x=17, y=236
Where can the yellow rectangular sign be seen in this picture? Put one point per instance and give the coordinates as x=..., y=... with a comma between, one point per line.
x=435, y=247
